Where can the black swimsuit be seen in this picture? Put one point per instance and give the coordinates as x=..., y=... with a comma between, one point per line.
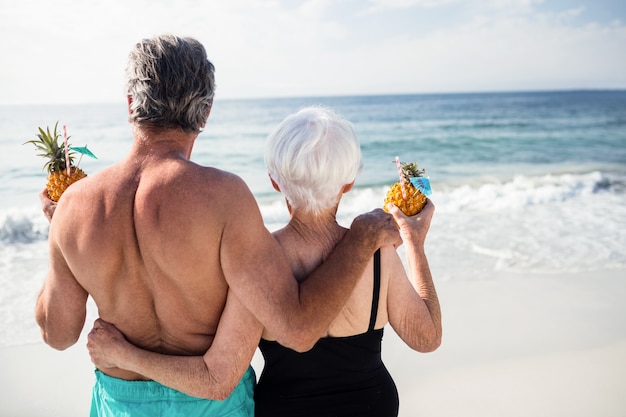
x=339, y=376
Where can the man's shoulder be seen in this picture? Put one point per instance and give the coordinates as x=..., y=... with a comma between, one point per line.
x=214, y=172
x=218, y=178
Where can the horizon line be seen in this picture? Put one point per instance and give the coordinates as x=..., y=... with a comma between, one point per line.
x=347, y=95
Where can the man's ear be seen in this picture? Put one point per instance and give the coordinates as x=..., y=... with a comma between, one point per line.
x=347, y=187
x=208, y=112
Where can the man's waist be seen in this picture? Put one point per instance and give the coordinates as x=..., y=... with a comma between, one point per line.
x=122, y=374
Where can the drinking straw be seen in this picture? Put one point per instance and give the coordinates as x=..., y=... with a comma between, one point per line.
x=67, y=152
x=401, y=177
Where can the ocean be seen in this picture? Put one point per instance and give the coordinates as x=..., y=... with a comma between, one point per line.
x=523, y=183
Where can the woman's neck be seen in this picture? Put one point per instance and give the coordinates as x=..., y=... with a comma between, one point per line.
x=316, y=228
x=308, y=239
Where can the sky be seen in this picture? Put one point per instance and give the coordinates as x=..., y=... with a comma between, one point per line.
x=71, y=51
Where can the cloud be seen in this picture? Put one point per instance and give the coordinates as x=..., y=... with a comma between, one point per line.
x=70, y=51
x=507, y=54
x=377, y=6
x=516, y=4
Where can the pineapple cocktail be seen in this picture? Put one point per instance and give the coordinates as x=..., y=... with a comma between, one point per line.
x=62, y=172
x=409, y=193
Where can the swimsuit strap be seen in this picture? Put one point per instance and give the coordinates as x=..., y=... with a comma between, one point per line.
x=376, y=294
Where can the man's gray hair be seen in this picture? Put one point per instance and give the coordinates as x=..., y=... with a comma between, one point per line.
x=171, y=83
x=311, y=155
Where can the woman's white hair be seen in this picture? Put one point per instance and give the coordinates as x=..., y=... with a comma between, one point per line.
x=311, y=155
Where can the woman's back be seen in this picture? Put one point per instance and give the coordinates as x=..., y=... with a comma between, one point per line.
x=306, y=242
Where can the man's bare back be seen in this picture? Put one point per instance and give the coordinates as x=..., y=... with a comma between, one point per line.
x=155, y=223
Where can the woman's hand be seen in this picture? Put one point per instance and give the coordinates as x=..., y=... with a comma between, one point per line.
x=106, y=344
x=47, y=205
x=413, y=228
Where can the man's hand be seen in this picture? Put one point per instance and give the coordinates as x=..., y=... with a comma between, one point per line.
x=377, y=225
x=105, y=344
x=415, y=227
x=47, y=205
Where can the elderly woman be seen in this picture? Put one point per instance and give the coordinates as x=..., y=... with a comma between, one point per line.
x=313, y=158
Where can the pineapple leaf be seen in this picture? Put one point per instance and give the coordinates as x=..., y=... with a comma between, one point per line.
x=47, y=144
x=411, y=170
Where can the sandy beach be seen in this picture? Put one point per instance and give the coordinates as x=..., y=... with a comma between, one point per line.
x=541, y=346
x=538, y=345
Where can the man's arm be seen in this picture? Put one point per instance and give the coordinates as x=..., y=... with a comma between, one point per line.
x=257, y=271
x=214, y=375
x=62, y=303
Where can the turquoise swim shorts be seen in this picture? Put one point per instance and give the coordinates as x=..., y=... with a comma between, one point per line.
x=113, y=397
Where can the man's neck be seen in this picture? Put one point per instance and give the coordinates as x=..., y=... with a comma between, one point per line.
x=163, y=142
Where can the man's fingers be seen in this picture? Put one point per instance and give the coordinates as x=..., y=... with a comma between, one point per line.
x=47, y=205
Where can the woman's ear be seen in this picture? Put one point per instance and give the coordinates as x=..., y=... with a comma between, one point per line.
x=276, y=187
x=347, y=187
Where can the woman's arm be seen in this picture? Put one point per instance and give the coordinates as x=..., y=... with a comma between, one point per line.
x=412, y=304
x=213, y=375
